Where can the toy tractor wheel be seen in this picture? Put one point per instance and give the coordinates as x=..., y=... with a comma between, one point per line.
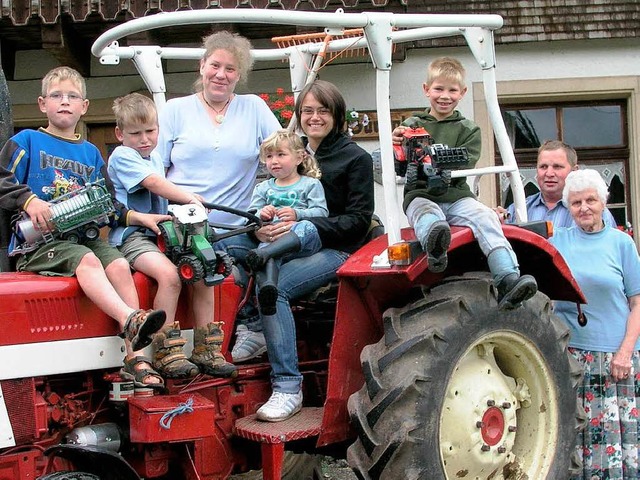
x=164, y=239
x=190, y=269
x=458, y=389
x=69, y=476
x=224, y=263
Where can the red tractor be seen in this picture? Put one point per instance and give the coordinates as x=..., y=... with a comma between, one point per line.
x=408, y=374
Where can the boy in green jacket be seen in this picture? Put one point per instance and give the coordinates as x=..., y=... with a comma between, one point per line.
x=430, y=211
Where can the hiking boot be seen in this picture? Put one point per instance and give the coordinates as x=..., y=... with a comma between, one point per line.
x=514, y=289
x=280, y=406
x=248, y=345
x=207, y=351
x=169, y=358
x=436, y=246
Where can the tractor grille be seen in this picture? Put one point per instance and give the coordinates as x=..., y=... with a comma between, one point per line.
x=20, y=404
x=52, y=314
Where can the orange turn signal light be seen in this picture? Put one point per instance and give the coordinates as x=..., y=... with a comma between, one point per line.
x=399, y=254
x=403, y=253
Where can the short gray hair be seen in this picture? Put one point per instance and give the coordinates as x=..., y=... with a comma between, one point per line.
x=586, y=179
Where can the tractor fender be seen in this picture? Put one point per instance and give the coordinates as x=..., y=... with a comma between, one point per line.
x=536, y=256
x=106, y=464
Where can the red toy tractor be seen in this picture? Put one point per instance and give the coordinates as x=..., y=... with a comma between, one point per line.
x=407, y=374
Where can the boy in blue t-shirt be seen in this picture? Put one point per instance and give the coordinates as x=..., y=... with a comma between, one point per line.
x=138, y=176
x=37, y=166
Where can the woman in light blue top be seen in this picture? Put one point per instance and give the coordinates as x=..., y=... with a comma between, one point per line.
x=605, y=263
x=210, y=141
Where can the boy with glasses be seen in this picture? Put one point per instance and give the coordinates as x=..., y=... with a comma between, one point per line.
x=37, y=166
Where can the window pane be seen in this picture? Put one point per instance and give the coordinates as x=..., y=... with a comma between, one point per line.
x=530, y=128
x=592, y=126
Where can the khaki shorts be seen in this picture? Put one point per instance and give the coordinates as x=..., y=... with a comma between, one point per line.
x=61, y=258
x=136, y=244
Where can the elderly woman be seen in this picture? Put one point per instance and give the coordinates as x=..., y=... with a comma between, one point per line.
x=210, y=140
x=605, y=263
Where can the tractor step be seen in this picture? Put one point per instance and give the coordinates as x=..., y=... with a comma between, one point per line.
x=273, y=435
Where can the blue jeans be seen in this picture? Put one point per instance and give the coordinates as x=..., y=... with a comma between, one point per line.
x=466, y=212
x=298, y=277
x=239, y=245
x=309, y=238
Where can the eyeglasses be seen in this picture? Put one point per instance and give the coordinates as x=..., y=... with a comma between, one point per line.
x=71, y=97
x=321, y=112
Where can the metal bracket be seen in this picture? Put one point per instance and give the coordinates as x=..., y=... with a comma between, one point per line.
x=111, y=58
x=148, y=61
x=379, y=40
x=480, y=41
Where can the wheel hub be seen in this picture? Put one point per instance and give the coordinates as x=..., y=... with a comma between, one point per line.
x=186, y=272
x=478, y=423
x=492, y=426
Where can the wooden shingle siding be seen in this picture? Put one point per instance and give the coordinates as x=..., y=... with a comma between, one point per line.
x=525, y=20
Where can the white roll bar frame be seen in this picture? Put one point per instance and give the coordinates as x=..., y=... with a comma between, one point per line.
x=381, y=31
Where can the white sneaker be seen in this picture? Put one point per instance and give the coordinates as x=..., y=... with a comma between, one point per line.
x=280, y=406
x=248, y=345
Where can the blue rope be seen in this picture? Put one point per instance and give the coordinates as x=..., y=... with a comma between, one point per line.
x=167, y=418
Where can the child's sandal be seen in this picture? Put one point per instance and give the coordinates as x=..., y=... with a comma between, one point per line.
x=141, y=325
x=138, y=376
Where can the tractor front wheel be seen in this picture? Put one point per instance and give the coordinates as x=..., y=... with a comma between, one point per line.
x=190, y=269
x=458, y=389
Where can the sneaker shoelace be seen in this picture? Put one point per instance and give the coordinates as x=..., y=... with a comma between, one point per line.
x=278, y=400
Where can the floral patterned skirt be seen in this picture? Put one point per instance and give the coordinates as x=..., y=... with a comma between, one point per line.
x=610, y=442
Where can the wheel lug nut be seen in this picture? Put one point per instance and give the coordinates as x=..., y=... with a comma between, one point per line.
x=506, y=405
x=479, y=424
x=501, y=450
x=485, y=448
x=512, y=428
x=490, y=403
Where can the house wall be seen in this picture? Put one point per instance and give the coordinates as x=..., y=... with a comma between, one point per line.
x=583, y=69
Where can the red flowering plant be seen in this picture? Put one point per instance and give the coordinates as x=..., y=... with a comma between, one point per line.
x=280, y=104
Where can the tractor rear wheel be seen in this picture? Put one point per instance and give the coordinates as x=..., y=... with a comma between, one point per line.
x=164, y=239
x=458, y=389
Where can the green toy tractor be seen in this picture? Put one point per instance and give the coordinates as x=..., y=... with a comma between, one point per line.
x=188, y=241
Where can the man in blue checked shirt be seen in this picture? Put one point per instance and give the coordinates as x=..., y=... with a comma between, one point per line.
x=555, y=160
